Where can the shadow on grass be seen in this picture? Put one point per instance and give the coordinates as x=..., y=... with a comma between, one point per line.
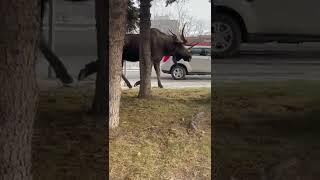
x=68, y=144
x=259, y=124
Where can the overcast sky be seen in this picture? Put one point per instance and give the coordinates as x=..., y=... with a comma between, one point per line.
x=198, y=9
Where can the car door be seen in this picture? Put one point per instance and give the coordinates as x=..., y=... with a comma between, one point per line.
x=208, y=62
x=200, y=61
x=286, y=16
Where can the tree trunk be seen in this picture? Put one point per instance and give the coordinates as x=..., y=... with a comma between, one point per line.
x=19, y=33
x=117, y=29
x=99, y=105
x=145, y=51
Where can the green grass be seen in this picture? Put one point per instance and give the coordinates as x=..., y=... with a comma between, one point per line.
x=154, y=140
x=259, y=124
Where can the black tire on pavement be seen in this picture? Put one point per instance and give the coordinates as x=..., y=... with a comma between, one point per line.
x=234, y=38
x=178, y=72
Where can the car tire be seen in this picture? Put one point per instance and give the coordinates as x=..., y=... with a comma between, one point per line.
x=227, y=32
x=178, y=72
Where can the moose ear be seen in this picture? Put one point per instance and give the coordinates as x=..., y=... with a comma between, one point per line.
x=175, y=38
x=177, y=42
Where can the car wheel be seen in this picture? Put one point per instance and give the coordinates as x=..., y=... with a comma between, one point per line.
x=178, y=72
x=226, y=36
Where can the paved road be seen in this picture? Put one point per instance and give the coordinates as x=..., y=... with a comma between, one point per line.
x=168, y=82
x=75, y=63
x=270, y=62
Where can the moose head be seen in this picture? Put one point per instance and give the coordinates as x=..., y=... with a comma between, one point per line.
x=180, y=50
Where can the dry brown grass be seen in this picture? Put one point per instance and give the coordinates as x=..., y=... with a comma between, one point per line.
x=68, y=144
x=154, y=140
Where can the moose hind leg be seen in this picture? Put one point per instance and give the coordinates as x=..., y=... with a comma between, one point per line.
x=56, y=64
x=126, y=81
x=157, y=69
x=89, y=69
x=137, y=83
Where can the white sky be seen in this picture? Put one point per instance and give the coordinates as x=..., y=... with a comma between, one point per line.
x=198, y=9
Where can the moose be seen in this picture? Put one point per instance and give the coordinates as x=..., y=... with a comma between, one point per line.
x=161, y=44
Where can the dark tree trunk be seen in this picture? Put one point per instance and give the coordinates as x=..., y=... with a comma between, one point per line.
x=145, y=51
x=19, y=33
x=99, y=105
x=117, y=29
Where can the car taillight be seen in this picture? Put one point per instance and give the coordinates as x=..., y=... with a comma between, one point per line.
x=165, y=58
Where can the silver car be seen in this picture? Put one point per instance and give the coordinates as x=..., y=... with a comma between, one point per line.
x=200, y=64
x=258, y=21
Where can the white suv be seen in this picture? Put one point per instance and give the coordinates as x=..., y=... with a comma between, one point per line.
x=200, y=64
x=249, y=21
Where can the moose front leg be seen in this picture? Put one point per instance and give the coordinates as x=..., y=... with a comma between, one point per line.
x=157, y=69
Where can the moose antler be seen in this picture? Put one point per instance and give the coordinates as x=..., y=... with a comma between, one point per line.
x=175, y=36
x=184, y=41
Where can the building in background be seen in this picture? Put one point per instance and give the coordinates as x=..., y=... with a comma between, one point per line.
x=164, y=23
x=73, y=13
x=204, y=40
x=74, y=28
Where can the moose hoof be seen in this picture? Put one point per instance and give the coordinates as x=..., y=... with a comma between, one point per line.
x=82, y=74
x=160, y=86
x=66, y=79
x=129, y=86
x=136, y=84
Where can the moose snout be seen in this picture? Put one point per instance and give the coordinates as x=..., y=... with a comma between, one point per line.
x=188, y=59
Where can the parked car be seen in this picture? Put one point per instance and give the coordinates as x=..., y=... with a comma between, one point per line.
x=259, y=21
x=200, y=64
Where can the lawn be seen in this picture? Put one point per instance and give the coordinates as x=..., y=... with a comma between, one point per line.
x=68, y=144
x=258, y=125
x=155, y=141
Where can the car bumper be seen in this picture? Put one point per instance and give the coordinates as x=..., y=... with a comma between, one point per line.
x=165, y=71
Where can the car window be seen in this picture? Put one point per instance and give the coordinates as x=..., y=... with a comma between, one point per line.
x=199, y=52
x=208, y=51
x=196, y=51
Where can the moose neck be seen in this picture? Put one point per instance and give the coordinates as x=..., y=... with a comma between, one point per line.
x=168, y=47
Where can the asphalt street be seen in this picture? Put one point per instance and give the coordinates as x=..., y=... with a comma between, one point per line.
x=193, y=81
x=75, y=63
x=270, y=62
